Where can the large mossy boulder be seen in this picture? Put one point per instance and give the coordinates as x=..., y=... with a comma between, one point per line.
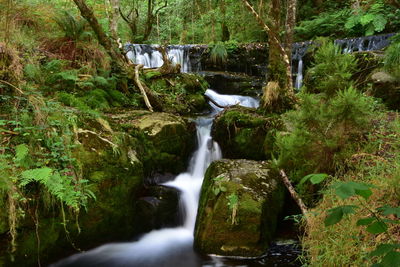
x=180, y=93
x=165, y=140
x=242, y=133
x=239, y=206
x=387, y=88
x=109, y=164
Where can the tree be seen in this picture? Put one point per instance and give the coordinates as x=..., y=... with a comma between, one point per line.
x=132, y=18
x=278, y=93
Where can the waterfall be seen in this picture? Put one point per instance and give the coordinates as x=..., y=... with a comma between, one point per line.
x=150, y=57
x=349, y=45
x=169, y=247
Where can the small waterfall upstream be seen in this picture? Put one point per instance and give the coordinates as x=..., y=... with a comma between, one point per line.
x=348, y=45
x=170, y=247
x=150, y=57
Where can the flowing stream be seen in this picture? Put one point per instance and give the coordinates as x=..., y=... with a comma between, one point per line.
x=170, y=247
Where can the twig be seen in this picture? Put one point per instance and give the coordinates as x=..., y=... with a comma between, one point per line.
x=142, y=90
x=294, y=195
x=13, y=86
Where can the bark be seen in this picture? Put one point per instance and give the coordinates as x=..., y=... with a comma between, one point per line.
x=293, y=194
x=114, y=19
x=275, y=43
x=142, y=90
x=118, y=61
x=290, y=24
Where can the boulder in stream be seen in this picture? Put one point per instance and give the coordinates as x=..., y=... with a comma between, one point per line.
x=243, y=133
x=239, y=206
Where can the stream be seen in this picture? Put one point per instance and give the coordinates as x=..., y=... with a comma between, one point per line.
x=173, y=247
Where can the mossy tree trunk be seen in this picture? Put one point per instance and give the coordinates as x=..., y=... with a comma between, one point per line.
x=118, y=61
x=278, y=93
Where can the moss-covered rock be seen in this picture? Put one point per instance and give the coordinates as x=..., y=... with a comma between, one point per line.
x=179, y=93
x=242, y=133
x=239, y=206
x=108, y=162
x=165, y=141
x=387, y=88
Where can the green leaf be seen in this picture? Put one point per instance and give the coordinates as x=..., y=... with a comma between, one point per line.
x=349, y=189
x=379, y=22
x=318, y=178
x=377, y=227
x=387, y=210
x=345, y=191
x=391, y=259
x=364, y=193
x=365, y=221
x=383, y=249
x=335, y=215
x=21, y=152
x=40, y=174
x=367, y=18
x=315, y=178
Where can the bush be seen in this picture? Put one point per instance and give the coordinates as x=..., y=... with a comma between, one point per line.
x=320, y=132
x=392, y=58
x=331, y=72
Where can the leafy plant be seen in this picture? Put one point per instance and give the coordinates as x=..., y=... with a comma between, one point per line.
x=392, y=58
x=331, y=72
x=73, y=27
x=376, y=223
x=369, y=21
x=218, y=54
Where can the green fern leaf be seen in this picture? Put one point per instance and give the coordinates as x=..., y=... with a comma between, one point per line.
x=41, y=175
x=379, y=23
x=21, y=155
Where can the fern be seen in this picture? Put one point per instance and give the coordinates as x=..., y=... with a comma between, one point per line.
x=21, y=154
x=73, y=27
x=218, y=54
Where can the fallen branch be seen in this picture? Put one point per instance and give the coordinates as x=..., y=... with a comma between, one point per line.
x=142, y=90
x=215, y=103
x=13, y=86
x=294, y=195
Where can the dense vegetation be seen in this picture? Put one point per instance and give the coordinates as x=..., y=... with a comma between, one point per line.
x=56, y=75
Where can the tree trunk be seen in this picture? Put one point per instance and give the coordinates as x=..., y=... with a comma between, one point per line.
x=278, y=92
x=118, y=61
x=114, y=19
x=290, y=24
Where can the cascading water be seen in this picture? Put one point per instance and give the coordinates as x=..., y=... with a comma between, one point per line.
x=169, y=247
x=150, y=57
x=349, y=45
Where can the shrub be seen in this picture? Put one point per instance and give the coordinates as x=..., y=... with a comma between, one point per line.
x=320, y=132
x=331, y=72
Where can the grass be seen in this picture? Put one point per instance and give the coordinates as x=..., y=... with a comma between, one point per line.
x=346, y=244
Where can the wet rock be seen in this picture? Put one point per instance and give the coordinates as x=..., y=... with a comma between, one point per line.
x=233, y=83
x=244, y=134
x=239, y=206
x=165, y=141
x=158, y=208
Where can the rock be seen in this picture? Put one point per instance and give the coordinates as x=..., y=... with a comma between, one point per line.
x=242, y=133
x=110, y=165
x=158, y=208
x=179, y=93
x=387, y=88
x=246, y=228
x=165, y=141
x=233, y=83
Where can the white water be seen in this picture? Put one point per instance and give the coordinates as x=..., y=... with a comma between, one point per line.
x=150, y=57
x=170, y=247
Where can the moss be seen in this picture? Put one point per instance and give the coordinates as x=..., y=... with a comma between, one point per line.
x=257, y=189
x=243, y=133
